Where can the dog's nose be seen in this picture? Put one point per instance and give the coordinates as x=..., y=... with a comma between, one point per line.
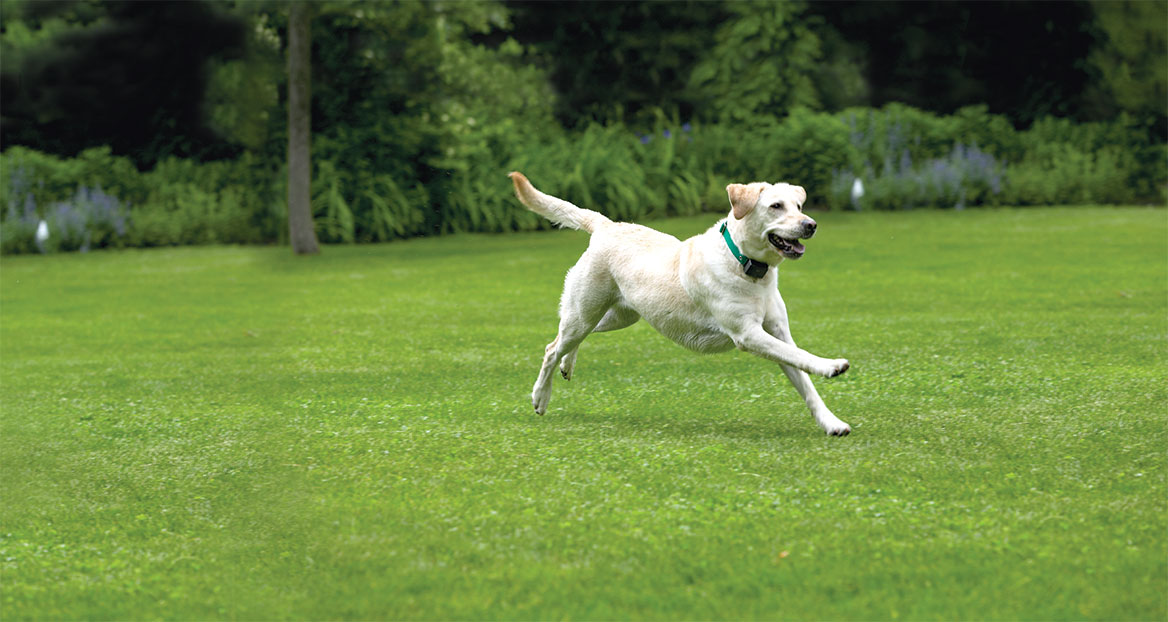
x=808, y=225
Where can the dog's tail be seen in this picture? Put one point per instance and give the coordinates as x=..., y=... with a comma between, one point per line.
x=556, y=210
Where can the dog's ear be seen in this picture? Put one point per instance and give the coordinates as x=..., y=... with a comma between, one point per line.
x=743, y=197
x=801, y=193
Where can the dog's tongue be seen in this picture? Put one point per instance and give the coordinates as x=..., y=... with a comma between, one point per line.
x=797, y=246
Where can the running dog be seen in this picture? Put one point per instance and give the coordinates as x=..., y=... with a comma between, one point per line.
x=713, y=292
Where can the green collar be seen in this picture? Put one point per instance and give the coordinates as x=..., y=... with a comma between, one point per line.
x=753, y=267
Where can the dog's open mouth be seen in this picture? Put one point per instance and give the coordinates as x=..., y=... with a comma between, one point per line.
x=789, y=248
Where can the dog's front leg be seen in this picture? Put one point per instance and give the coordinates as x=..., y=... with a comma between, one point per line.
x=759, y=342
x=776, y=325
x=823, y=415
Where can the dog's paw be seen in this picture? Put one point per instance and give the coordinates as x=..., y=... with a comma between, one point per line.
x=567, y=365
x=832, y=425
x=540, y=399
x=842, y=430
x=837, y=367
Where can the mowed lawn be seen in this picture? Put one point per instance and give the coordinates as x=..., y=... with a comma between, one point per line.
x=237, y=433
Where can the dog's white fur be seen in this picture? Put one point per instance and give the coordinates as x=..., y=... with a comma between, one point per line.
x=693, y=292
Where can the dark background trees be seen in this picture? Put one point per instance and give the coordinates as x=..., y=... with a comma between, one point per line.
x=1022, y=59
x=137, y=75
x=131, y=75
x=617, y=60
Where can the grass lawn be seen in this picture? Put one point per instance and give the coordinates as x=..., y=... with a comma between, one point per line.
x=238, y=433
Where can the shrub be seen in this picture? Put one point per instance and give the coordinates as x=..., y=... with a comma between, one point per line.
x=762, y=45
x=18, y=231
x=1061, y=173
x=881, y=134
x=48, y=178
x=220, y=202
x=99, y=200
x=809, y=147
x=89, y=219
x=1113, y=162
x=904, y=157
x=966, y=176
x=990, y=163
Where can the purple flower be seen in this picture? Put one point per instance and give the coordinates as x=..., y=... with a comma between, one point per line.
x=686, y=128
x=667, y=134
x=645, y=139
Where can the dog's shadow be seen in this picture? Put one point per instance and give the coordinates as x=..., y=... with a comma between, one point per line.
x=693, y=426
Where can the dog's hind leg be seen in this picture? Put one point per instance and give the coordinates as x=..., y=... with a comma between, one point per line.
x=541, y=393
x=573, y=329
x=588, y=293
x=616, y=318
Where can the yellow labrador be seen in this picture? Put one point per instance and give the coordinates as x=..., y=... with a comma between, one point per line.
x=710, y=293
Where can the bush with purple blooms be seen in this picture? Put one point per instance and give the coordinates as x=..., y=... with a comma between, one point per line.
x=966, y=176
x=913, y=158
x=98, y=200
x=89, y=219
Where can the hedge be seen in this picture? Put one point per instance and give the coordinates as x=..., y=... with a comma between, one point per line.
x=904, y=158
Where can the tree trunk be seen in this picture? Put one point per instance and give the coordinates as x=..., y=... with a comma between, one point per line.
x=300, y=227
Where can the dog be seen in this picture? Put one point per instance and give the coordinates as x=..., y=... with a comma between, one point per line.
x=712, y=292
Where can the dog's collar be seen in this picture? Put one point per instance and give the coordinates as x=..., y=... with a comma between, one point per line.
x=753, y=267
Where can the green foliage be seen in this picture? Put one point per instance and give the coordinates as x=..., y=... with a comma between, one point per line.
x=420, y=109
x=393, y=211
x=761, y=65
x=913, y=158
x=331, y=213
x=209, y=203
x=90, y=218
x=179, y=202
x=242, y=100
x=619, y=62
x=807, y=148
x=839, y=76
x=82, y=200
x=1064, y=173
x=429, y=158
x=47, y=178
x=1131, y=63
x=886, y=133
x=72, y=79
x=905, y=158
x=29, y=30
x=1140, y=166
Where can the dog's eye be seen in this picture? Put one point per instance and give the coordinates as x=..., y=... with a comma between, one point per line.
x=776, y=206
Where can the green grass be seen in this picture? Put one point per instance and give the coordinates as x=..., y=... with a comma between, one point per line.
x=238, y=433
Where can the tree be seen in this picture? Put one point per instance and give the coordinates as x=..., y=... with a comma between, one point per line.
x=612, y=61
x=301, y=232
x=130, y=75
x=1131, y=60
x=1022, y=58
x=762, y=63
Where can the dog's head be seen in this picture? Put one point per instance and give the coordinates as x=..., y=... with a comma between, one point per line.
x=771, y=218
